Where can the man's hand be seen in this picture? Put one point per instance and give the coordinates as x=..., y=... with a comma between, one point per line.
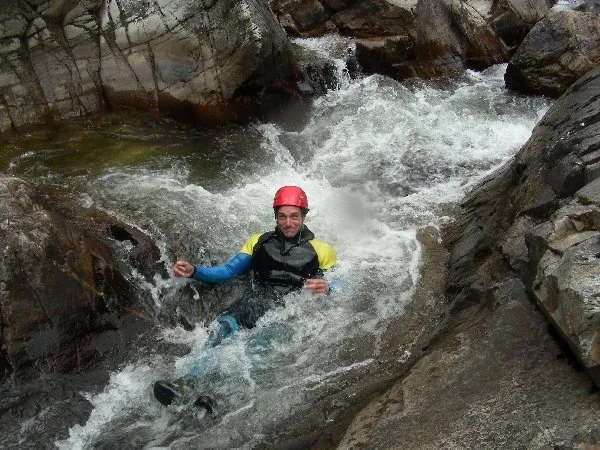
x=183, y=269
x=317, y=286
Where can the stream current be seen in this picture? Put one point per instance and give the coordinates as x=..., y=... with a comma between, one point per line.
x=378, y=160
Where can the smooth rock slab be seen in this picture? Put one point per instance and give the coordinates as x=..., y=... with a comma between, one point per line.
x=496, y=380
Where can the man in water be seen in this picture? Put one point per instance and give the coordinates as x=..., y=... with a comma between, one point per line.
x=282, y=261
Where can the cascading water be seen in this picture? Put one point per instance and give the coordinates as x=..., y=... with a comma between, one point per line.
x=378, y=159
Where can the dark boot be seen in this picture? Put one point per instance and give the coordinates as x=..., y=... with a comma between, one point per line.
x=168, y=391
x=206, y=402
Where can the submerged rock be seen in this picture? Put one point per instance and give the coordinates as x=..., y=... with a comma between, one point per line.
x=67, y=294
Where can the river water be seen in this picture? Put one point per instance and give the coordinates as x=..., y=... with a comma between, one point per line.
x=378, y=160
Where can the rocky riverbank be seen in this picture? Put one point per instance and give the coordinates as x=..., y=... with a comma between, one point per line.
x=221, y=62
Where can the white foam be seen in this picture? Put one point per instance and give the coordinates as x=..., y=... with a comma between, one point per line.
x=124, y=394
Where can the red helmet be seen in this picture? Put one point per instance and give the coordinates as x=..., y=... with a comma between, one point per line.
x=290, y=196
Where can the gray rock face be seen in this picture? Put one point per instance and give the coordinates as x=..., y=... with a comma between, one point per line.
x=63, y=290
x=558, y=50
x=181, y=54
x=203, y=60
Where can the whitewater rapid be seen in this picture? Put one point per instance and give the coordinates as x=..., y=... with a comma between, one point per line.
x=378, y=159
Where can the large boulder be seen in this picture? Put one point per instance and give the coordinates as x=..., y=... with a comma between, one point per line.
x=192, y=58
x=558, y=50
x=199, y=60
x=433, y=38
x=68, y=295
x=439, y=45
x=375, y=18
x=418, y=38
x=540, y=218
x=567, y=249
x=484, y=46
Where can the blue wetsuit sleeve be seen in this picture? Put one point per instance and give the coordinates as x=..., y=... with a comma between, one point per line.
x=218, y=274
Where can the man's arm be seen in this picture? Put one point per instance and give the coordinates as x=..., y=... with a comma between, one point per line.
x=217, y=274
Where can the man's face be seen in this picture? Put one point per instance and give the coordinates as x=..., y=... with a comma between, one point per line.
x=289, y=220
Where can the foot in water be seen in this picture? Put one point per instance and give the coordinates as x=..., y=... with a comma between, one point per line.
x=166, y=392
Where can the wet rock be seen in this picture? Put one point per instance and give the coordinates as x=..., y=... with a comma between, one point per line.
x=548, y=198
x=67, y=284
x=559, y=49
x=337, y=5
x=510, y=28
x=567, y=176
x=527, y=11
x=387, y=55
x=431, y=38
x=412, y=40
x=439, y=44
x=39, y=412
x=590, y=193
x=302, y=17
x=543, y=201
x=320, y=72
x=435, y=38
x=514, y=247
x=375, y=18
x=495, y=379
x=567, y=289
x=484, y=48
x=185, y=58
x=511, y=20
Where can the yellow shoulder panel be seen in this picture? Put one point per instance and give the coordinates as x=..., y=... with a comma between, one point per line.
x=327, y=256
x=248, y=247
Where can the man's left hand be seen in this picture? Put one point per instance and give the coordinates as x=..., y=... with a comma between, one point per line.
x=317, y=286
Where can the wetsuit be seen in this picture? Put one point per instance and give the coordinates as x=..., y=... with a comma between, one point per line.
x=279, y=265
